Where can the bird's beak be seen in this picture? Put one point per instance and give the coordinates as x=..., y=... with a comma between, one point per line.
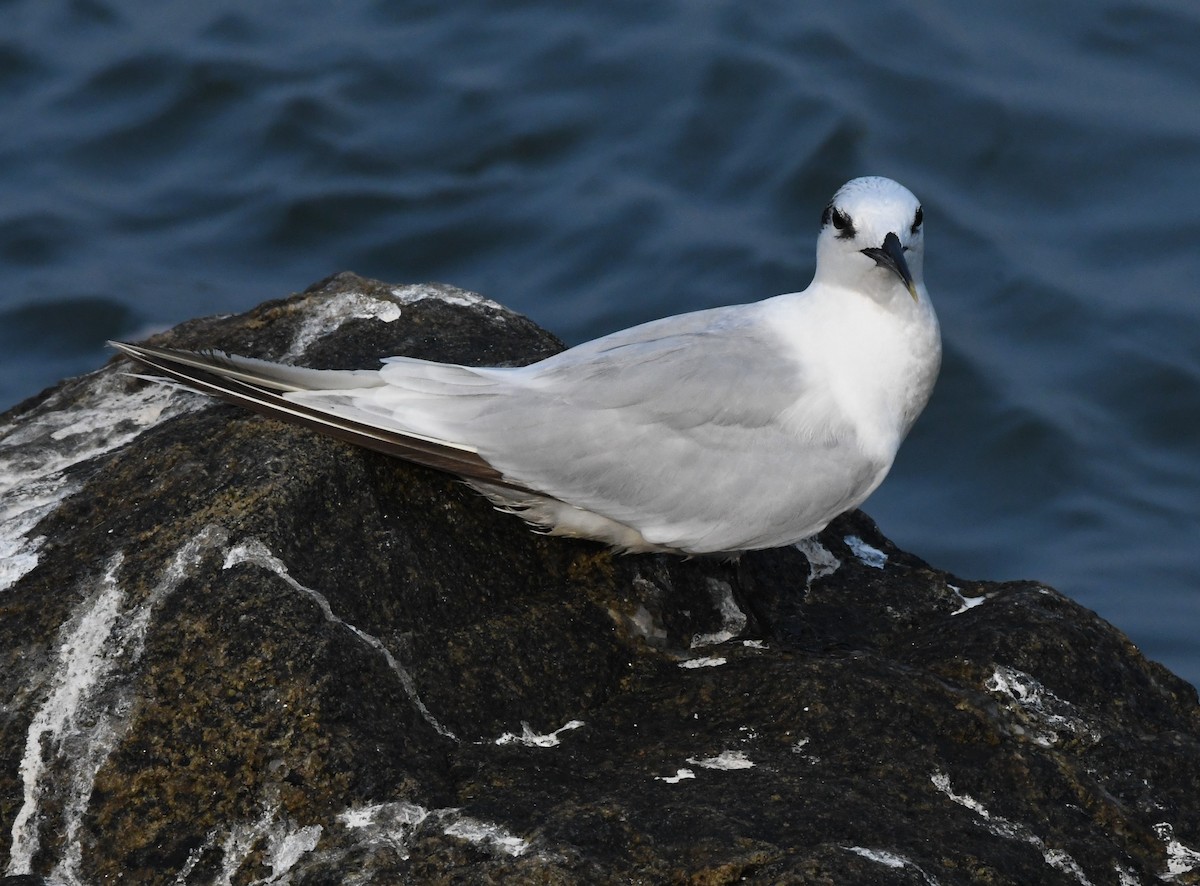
x=891, y=256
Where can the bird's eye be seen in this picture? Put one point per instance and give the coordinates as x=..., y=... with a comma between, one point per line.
x=917, y=219
x=842, y=222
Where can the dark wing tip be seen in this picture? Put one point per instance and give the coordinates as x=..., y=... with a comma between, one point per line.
x=203, y=372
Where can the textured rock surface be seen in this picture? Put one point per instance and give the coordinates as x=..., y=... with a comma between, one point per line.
x=233, y=651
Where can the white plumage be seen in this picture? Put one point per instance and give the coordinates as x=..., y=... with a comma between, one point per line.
x=718, y=431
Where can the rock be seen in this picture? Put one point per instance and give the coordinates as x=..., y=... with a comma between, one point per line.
x=234, y=651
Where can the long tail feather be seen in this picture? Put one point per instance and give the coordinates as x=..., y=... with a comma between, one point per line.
x=259, y=373
x=256, y=384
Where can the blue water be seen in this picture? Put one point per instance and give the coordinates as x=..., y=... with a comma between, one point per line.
x=602, y=163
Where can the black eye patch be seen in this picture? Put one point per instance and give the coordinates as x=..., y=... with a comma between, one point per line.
x=917, y=219
x=839, y=220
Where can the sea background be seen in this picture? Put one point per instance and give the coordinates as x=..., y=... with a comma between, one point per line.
x=599, y=164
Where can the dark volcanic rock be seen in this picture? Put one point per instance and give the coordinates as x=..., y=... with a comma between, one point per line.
x=234, y=651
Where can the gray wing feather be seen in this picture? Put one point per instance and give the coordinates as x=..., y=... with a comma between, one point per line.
x=627, y=425
x=634, y=437
x=263, y=387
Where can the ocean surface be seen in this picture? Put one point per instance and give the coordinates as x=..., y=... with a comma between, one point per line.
x=602, y=163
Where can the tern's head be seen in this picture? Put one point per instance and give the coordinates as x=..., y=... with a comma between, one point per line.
x=872, y=239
